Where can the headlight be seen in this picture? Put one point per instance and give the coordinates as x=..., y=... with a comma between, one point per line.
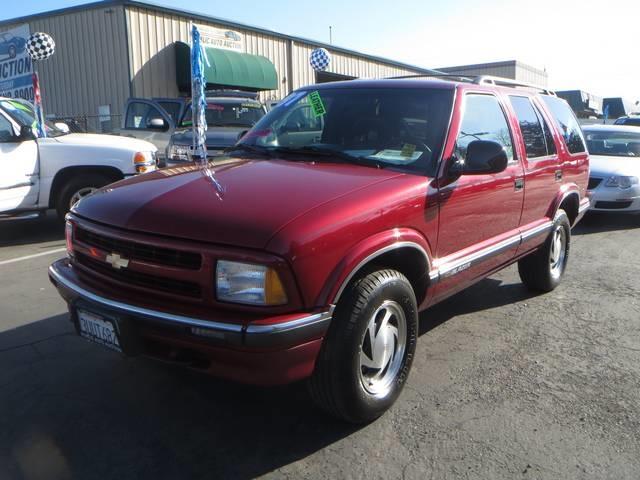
x=248, y=283
x=178, y=152
x=621, y=182
x=144, y=161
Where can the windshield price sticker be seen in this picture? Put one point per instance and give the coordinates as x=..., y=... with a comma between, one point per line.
x=316, y=104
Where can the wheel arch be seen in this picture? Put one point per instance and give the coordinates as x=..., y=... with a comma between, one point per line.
x=567, y=199
x=406, y=251
x=65, y=174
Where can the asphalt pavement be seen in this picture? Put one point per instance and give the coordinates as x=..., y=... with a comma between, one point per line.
x=505, y=385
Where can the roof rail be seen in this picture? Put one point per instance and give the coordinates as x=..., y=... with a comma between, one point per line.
x=448, y=76
x=507, y=82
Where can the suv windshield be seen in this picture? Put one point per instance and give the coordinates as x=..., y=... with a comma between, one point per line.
x=228, y=114
x=614, y=144
x=401, y=128
x=22, y=112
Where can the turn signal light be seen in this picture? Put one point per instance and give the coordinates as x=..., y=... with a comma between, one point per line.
x=68, y=234
x=273, y=290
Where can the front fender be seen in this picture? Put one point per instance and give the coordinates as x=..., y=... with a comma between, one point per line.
x=365, y=252
x=563, y=194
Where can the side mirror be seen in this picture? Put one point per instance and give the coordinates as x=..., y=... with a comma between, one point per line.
x=157, y=124
x=63, y=127
x=483, y=157
x=26, y=133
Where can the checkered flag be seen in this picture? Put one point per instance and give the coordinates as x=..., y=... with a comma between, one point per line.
x=40, y=46
x=319, y=59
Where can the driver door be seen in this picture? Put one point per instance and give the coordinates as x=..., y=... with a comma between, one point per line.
x=19, y=182
x=147, y=120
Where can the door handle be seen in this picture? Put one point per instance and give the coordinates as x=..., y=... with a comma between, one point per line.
x=519, y=184
x=558, y=175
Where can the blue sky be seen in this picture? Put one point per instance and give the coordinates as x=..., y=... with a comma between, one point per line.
x=587, y=44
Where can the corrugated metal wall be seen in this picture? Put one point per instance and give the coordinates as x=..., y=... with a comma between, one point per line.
x=90, y=65
x=151, y=37
x=152, y=32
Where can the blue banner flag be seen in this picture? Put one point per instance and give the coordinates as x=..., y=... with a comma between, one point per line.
x=198, y=98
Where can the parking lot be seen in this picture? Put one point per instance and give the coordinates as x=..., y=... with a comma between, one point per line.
x=505, y=385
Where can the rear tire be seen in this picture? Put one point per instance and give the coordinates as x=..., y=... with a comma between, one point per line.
x=368, y=351
x=76, y=188
x=542, y=270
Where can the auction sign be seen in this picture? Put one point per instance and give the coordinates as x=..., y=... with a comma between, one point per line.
x=221, y=38
x=16, y=67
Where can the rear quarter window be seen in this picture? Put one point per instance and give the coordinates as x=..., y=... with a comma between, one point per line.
x=567, y=123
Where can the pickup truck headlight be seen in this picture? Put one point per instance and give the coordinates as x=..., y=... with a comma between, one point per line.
x=145, y=161
x=178, y=152
x=621, y=182
x=248, y=283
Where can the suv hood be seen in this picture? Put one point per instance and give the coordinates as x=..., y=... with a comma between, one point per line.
x=109, y=141
x=259, y=198
x=216, y=136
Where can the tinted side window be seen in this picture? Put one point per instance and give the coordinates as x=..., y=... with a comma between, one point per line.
x=530, y=127
x=6, y=130
x=172, y=108
x=483, y=120
x=548, y=136
x=567, y=123
x=139, y=114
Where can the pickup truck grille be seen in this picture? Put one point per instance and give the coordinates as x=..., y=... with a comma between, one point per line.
x=130, y=277
x=138, y=251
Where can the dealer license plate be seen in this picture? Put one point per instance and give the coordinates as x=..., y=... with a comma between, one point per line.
x=99, y=330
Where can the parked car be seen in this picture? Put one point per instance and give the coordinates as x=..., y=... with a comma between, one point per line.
x=157, y=120
x=11, y=45
x=228, y=118
x=633, y=121
x=615, y=167
x=54, y=172
x=322, y=236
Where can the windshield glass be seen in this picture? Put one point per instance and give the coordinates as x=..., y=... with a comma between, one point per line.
x=614, y=144
x=397, y=128
x=225, y=114
x=22, y=112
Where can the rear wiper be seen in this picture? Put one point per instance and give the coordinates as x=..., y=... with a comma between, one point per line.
x=328, y=152
x=249, y=148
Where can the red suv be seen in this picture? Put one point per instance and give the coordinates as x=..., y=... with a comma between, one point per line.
x=309, y=250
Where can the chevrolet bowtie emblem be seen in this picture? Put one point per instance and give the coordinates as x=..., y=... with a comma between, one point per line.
x=117, y=261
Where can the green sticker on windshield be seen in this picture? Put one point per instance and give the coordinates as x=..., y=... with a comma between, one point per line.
x=316, y=104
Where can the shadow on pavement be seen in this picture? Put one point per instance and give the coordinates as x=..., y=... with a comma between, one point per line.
x=74, y=410
x=596, y=222
x=486, y=294
x=22, y=232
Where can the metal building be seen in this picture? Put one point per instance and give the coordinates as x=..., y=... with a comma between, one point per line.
x=111, y=50
x=513, y=69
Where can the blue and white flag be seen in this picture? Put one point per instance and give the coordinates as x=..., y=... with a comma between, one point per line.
x=198, y=98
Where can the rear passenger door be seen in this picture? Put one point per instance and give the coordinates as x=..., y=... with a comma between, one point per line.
x=479, y=214
x=542, y=168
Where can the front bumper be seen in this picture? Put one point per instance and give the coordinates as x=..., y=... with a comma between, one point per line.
x=606, y=199
x=268, y=351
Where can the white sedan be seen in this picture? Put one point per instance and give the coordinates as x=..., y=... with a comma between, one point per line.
x=615, y=167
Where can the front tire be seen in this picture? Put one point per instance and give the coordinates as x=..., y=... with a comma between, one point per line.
x=369, y=348
x=76, y=188
x=542, y=270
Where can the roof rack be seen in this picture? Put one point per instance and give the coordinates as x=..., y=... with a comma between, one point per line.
x=480, y=80
x=507, y=82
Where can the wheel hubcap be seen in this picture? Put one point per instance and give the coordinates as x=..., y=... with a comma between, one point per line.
x=382, y=348
x=558, y=251
x=83, y=192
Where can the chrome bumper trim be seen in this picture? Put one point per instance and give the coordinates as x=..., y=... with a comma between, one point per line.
x=283, y=334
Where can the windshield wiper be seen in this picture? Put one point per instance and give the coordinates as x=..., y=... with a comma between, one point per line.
x=243, y=147
x=330, y=153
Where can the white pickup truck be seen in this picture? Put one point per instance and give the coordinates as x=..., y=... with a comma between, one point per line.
x=55, y=172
